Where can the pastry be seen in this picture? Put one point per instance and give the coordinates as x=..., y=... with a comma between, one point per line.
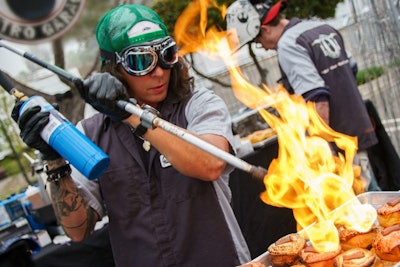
x=313, y=258
x=355, y=257
x=354, y=239
x=387, y=243
x=259, y=135
x=284, y=252
x=389, y=213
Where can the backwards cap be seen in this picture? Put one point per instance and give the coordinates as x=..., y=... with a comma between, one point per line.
x=246, y=16
x=267, y=10
x=127, y=25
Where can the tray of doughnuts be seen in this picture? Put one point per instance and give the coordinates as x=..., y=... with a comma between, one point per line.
x=379, y=247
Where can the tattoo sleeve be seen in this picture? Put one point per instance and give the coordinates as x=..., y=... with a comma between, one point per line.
x=73, y=212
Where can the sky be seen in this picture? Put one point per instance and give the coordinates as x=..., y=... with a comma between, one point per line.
x=11, y=62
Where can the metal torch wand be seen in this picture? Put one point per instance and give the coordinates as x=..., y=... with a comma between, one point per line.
x=59, y=71
x=150, y=120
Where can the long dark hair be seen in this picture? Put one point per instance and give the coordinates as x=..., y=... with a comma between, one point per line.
x=181, y=83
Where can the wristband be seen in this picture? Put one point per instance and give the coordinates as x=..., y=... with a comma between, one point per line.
x=139, y=131
x=57, y=174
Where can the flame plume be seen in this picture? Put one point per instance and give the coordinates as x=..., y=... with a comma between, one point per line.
x=305, y=177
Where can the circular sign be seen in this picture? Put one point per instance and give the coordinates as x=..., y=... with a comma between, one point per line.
x=37, y=21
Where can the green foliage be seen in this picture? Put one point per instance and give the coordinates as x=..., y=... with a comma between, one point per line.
x=10, y=164
x=169, y=11
x=312, y=8
x=366, y=75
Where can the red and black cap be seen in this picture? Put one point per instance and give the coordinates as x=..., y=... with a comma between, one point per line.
x=267, y=10
x=245, y=17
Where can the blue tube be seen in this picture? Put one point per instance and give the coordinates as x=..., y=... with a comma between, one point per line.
x=69, y=142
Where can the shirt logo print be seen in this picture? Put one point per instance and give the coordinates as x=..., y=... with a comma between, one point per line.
x=328, y=45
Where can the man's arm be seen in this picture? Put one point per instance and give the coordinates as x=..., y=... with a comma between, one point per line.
x=73, y=213
x=320, y=97
x=322, y=109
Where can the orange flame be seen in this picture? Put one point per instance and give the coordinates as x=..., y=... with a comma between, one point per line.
x=305, y=177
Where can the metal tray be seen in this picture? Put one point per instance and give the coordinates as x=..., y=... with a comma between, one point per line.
x=375, y=199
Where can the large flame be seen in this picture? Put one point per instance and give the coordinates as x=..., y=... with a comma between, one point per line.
x=305, y=177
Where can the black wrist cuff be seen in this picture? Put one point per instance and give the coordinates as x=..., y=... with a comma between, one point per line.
x=59, y=173
x=139, y=131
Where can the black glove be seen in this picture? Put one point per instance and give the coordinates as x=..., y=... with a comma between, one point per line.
x=15, y=111
x=31, y=123
x=103, y=91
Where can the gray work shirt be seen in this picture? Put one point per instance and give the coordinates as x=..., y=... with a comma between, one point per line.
x=311, y=56
x=204, y=113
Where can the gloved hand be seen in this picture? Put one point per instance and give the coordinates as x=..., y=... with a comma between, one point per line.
x=103, y=91
x=31, y=123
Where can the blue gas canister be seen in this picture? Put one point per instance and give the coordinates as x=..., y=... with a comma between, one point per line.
x=69, y=142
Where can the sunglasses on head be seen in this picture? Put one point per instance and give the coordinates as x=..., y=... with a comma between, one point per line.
x=139, y=60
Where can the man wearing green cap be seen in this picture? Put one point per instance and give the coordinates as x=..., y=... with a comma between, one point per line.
x=168, y=201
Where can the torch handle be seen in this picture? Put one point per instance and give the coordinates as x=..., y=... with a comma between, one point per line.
x=9, y=87
x=6, y=83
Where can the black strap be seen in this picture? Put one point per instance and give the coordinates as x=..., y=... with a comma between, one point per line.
x=59, y=173
x=108, y=56
x=139, y=131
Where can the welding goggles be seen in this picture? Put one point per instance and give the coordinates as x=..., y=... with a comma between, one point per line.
x=139, y=60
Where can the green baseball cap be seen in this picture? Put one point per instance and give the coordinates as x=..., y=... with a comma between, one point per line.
x=126, y=25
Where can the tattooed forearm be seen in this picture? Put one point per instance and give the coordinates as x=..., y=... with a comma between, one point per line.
x=72, y=210
x=54, y=164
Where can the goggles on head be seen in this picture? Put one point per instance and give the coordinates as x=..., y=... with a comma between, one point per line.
x=139, y=60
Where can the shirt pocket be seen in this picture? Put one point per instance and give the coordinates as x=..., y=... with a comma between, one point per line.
x=124, y=192
x=179, y=188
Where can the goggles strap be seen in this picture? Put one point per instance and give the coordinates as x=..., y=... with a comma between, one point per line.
x=108, y=56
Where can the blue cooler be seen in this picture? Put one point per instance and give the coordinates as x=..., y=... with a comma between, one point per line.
x=14, y=206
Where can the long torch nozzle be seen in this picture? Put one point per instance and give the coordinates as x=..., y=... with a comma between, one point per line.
x=152, y=121
x=57, y=70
